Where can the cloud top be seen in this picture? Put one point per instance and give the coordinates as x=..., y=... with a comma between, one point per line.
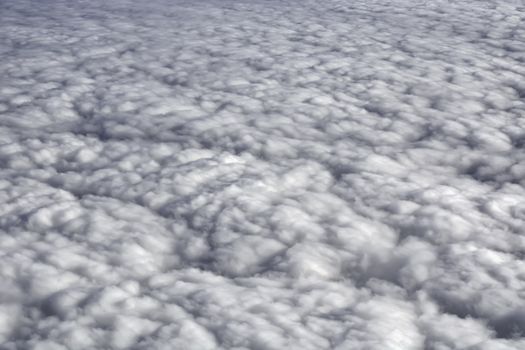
x=262, y=175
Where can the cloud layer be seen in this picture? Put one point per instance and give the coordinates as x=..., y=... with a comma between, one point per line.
x=262, y=175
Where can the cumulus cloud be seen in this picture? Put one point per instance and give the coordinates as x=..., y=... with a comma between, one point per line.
x=262, y=175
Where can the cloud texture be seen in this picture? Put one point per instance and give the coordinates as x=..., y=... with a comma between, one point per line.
x=262, y=175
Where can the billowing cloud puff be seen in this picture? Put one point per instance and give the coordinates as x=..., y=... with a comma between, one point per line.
x=262, y=175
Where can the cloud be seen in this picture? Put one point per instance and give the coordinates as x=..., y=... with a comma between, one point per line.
x=262, y=175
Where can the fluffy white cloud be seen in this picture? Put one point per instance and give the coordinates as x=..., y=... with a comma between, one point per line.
x=262, y=174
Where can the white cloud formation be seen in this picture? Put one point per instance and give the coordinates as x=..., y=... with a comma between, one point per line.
x=262, y=174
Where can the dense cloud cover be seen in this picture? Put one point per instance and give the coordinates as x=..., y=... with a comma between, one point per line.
x=262, y=175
